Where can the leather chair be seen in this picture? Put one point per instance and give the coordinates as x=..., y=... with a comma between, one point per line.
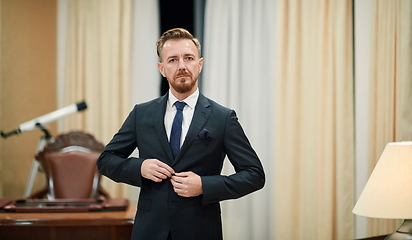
x=69, y=163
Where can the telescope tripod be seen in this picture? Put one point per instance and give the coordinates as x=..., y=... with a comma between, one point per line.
x=35, y=164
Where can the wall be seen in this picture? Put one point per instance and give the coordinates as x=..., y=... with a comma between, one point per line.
x=27, y=85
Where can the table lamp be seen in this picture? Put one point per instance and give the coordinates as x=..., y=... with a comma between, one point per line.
x=388, y=192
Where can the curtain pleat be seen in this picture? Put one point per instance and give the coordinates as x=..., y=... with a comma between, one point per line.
x=238, y=73
x=390, y=87
x=314, y=150
x=98, y=70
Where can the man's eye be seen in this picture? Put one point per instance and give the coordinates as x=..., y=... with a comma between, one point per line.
x=172, y=60
x=190, y=58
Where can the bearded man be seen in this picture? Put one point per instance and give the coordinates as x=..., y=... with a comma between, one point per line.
x=182, y=140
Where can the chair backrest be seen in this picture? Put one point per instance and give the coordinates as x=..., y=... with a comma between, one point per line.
x=73, y=174
x=69, y=163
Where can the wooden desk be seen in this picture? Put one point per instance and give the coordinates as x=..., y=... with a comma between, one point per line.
x=86, y=225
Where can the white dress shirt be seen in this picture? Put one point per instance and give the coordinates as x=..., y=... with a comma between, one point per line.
x=188, y=111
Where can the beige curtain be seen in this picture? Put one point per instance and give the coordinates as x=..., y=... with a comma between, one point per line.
x=98, y=69
x=314, y=147
x=390, y=86
x=238, y=73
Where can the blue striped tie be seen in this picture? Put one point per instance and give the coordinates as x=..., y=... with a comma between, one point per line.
x=176, y=133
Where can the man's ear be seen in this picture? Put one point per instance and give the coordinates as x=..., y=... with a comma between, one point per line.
x=200, y=65
x=161, y=68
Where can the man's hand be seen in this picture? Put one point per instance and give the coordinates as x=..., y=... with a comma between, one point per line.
x=156, y=170
x=187, y=184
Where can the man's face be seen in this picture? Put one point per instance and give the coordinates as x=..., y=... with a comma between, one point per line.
x=181, y=65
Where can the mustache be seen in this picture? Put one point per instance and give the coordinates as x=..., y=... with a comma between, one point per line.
x=183, y=73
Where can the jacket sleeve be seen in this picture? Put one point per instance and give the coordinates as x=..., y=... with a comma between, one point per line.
x=114, y=162
x=249, y=176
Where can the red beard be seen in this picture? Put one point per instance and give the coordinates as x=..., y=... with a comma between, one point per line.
x=183, y=85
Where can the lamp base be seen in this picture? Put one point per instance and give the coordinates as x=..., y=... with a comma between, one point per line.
x=403, y=232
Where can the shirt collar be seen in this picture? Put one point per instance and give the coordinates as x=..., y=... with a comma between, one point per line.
x=190, y=101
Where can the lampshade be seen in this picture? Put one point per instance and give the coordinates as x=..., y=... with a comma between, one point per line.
x=388, y=192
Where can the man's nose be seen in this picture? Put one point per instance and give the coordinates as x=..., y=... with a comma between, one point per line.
x=182, y=64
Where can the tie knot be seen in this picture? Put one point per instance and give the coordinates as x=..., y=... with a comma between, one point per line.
x=180, y=105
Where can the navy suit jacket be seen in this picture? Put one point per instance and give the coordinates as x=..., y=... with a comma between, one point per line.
x=214, y=133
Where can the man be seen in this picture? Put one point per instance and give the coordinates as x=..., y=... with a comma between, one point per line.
x=180, y=180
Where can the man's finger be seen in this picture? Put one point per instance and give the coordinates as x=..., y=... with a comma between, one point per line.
x=156, y=170
x=182, y=174
x=167, y=170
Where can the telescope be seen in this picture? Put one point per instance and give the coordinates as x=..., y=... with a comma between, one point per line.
x=47, y=118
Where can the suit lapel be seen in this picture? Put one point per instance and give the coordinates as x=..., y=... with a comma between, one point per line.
x=200, y=116
x=158, y=122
